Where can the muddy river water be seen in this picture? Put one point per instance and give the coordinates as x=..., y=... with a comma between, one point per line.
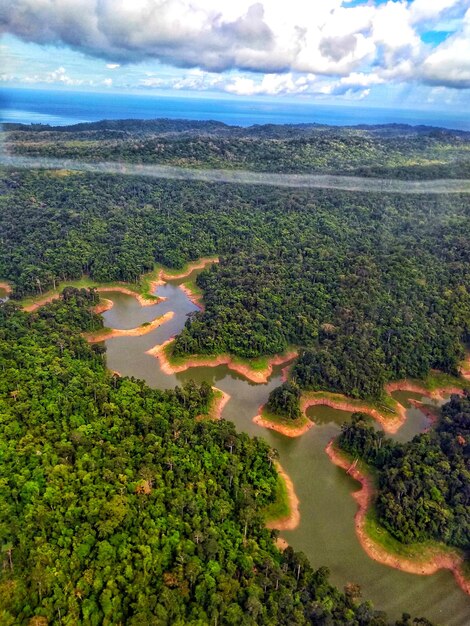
x=326, y=531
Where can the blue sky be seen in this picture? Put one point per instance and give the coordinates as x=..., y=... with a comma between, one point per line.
x=399, y=53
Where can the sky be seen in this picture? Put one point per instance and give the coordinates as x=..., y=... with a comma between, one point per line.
x=403, y=53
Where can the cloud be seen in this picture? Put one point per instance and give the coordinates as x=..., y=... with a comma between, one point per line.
x=58, y=76
x=328, y=38
x=449, y=64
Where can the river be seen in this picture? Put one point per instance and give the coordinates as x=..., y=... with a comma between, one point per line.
x=326, y=531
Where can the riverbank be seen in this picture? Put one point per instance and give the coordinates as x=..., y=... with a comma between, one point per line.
x=194, y=296
x=103, y=305
x=143, y=291
x=109, y=333
x=167, y=274
x=33, y=303
x=436, y=386
x=288, y=428
x=422, y=559
x=257, y=370
x=143, y=300
x=390, y=415
x=388, y=412
x=218, y=403
x=291, y=519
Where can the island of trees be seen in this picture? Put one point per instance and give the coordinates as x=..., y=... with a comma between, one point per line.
x=423, y=485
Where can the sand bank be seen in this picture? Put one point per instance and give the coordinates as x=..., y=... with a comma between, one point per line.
x=435, y=394
x=195, y=298
x=106, y=333
x=256, y=376
x=40, y=302
x=281, y=544
x=195, y=265
x=103, y=305
x=430, y=563
x=284, y=429
x=293, y=519
x=49, y=297
x=142, y=300
x=390, y=422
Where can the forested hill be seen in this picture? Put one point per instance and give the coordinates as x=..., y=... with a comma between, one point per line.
x=391, y=151
x=423, y=485
x=117, y=506
x=373, y=288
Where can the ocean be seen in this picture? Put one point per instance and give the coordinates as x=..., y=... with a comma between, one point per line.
x=60, y=108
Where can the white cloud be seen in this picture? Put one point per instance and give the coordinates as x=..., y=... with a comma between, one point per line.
x=324, y=38
x=449, y=63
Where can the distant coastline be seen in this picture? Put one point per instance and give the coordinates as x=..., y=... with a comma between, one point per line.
x=63, y=107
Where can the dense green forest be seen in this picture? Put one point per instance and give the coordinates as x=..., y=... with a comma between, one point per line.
x=371, y=287
x=396, y=151
x=424, y=484
x=119, y=507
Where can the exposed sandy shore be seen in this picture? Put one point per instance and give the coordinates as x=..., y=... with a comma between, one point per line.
x=281, y=544
x=435, y=394
x=196, y=265
x=364, y=498
x=41, y=302
x=293, y=519
x=53, y=296
x=218, y=405
x=288, y=431
x=6, y=286
x=390, y=423
x=140, y=299
x=195, y=298
x=105, y=334
x=103, y=305
x=256, y=376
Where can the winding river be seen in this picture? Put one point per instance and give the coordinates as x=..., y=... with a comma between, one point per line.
x=326, y=532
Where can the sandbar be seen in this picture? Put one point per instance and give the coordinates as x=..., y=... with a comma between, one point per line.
x=255, y=376
x=364, y=498
x=291, y=521
x=106, y=333
x=283, y=429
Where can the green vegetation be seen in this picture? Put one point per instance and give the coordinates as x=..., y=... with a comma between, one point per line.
x=424, y=484
x=285, y=401
x=280, y=508
x=119, y=506
x=372, y=287
x=395, y=151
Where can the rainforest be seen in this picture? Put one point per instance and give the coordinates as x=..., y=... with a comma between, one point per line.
x=123, y=502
